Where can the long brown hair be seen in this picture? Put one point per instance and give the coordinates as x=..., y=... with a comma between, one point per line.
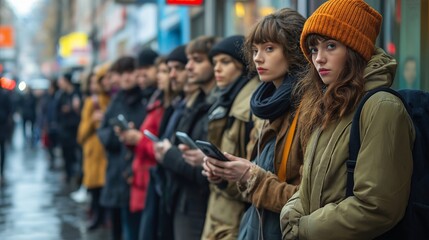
x=321, y=104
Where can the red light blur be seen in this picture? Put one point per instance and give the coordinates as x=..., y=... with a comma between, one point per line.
x=7, y=83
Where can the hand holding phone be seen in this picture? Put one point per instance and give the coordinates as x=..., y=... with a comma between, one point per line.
x=119, y=121
x=150, y=135
x=211, y=150
x=185, y=139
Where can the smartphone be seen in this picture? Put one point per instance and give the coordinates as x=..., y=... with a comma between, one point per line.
x=119, y=121
x=211, y=150
x=184, y=138
x=150, y=135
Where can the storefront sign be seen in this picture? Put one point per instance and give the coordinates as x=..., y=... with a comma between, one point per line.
x=6, y=37
x=185, y=2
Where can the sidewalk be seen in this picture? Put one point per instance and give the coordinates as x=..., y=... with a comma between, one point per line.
x=34, y=202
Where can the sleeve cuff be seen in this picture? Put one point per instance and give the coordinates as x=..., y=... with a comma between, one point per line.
x=303, y=228
x=256, y=173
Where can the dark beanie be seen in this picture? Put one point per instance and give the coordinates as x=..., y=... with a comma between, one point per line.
x=68, y=77
x=178, y=54
x=232, y=46
x=147, y=57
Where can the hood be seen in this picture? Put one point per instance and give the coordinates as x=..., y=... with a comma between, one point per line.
x=380, y=70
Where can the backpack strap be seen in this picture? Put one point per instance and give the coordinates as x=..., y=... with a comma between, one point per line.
x=354, y=143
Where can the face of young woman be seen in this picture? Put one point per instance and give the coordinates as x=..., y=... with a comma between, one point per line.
x=128, y=80
x=270, y=62
x=226, y=70
x=329, y=58
x=94, y=86
x=162, y=77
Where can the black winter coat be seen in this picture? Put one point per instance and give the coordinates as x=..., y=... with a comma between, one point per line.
x=131, y=104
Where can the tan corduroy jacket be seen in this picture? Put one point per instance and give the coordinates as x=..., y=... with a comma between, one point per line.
x=225, y=207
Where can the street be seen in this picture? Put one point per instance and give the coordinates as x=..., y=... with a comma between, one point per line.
x=34, y=201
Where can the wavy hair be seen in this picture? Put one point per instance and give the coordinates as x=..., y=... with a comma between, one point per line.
x=321, y=104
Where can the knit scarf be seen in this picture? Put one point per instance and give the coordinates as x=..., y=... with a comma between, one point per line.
x=269, y=102
x=227, y=95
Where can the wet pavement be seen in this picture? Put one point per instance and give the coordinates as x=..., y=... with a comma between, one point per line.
x=34, y=201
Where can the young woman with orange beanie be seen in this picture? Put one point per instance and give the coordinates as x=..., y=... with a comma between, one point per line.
x=338, y=40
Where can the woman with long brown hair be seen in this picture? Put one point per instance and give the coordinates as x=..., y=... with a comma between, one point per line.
x=272, y=177
x=344, y=67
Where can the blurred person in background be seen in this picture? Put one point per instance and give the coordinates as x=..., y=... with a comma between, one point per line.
x=133, y=138
x=159, y=224
x=146, y=80
x=48, y=121
x=128, y=102
x=94, y=159
x=191, y=188
x=28, y=114
x=146, y=72
x=151, y=202
x=144, y=147
x=230, y=124
x=68, y=116
x=410, y=73
x=5, y=116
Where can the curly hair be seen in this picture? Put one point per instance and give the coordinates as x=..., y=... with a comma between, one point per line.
x=283, y=27
x=321, y=104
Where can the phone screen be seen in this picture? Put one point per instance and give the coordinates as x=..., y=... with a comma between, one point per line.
x=119, y=121
x=211, y=150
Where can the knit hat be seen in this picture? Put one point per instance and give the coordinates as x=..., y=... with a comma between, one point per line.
x=101, y=70
x=178, y=54
x=146, y=57
x=352, y=22
x=68, y=77
x=233, y=46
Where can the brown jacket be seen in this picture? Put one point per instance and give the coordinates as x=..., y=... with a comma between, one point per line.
x=267, y=191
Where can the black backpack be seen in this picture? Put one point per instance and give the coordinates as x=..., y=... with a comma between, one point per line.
x=415, y=223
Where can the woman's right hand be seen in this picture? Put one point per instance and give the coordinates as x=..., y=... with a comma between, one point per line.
x=236, y=169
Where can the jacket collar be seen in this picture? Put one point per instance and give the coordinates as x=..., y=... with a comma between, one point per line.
x=380, y=70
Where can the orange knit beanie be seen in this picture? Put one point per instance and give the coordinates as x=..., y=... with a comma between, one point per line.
x=352, y=22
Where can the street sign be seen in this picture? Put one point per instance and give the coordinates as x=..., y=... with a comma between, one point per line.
x=185, y=2
x=6, y=37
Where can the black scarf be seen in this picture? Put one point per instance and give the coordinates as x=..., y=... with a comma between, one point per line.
x=228, y=94
x=267, y=102
x=227, y=97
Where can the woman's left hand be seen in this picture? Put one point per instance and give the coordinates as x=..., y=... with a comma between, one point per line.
x=234, y=170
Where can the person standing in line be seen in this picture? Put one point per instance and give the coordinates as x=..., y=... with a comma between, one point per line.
x=94, y=159
x=157, y=222
x=48, y=121
x=190, y=200
x=5, y=115
x=68, y=115
x=273, y=175
x=28, y=113
x=128, y=102
x=146, y=80
x=344, y=67
x=229, y=127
